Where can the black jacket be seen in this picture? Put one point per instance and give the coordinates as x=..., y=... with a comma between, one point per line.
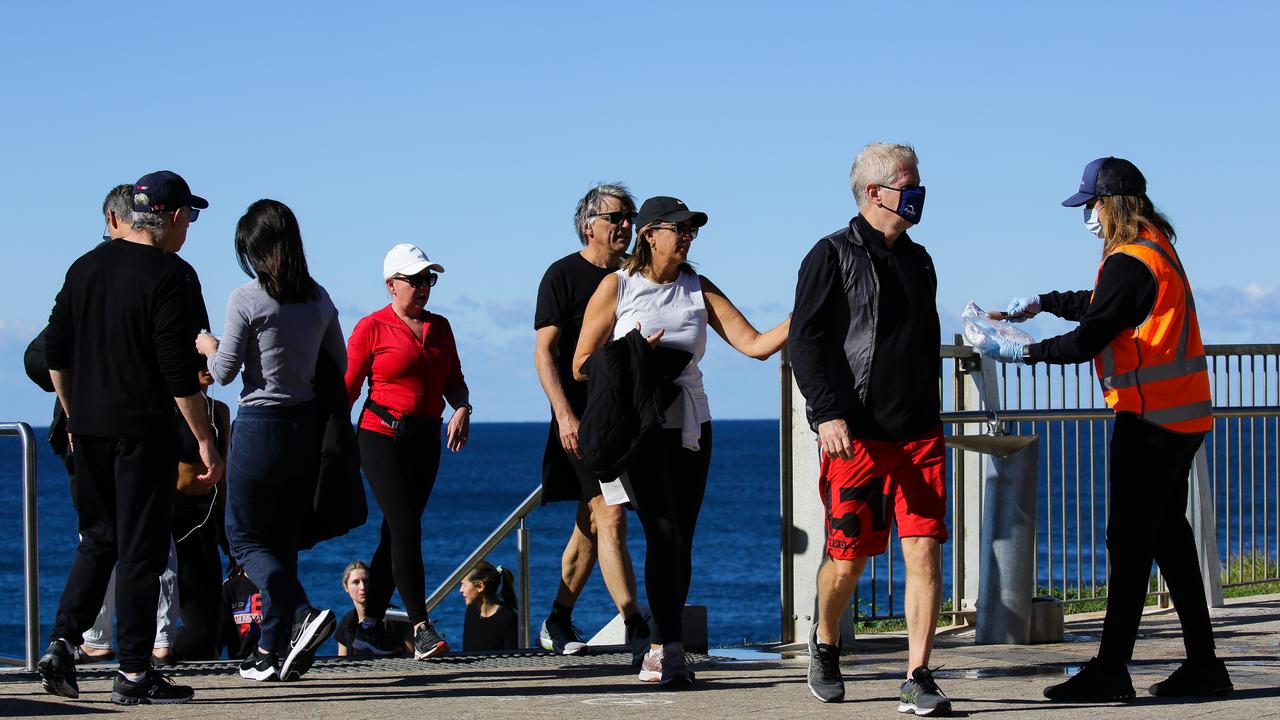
x=630, y=387
x=37, y=367
x=339, y=503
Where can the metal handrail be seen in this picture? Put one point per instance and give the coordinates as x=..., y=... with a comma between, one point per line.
x=514, y=522
x=30, y=559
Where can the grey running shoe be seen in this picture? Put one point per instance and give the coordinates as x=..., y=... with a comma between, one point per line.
x=1196, y=678
x=58, y=671
x=1098, y=681
x=922, y=696
x=310, y=629
x=560, y=637
x=676, y=674
x=825, y=681
x=259, y=666
x=372, y=637
x=429, y=643
x=152, y=689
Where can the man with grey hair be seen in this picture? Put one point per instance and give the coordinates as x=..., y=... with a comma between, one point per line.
x=120, y=356
x=864, y=349
x=603, y=221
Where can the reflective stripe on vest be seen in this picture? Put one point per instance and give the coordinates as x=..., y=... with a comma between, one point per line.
x=1181, y=406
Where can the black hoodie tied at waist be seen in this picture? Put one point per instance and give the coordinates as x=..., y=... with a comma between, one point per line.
x=629, y=389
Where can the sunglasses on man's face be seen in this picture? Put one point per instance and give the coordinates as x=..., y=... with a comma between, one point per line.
x=193, y=214
x=616, y=217
x=417, y=281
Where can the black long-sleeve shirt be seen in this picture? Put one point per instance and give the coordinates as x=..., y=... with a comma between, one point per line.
x=1123, y=299
x=902, y=397
x=121, y=325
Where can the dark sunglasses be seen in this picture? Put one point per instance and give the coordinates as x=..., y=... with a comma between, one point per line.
x=681, y=229
x=417, y=281
x=617, y=216
x=193, y=214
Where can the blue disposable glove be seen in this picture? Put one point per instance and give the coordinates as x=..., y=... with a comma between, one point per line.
x=1022, y=308
x=1002, y=349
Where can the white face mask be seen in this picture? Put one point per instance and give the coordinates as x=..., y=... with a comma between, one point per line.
x=1091, y=221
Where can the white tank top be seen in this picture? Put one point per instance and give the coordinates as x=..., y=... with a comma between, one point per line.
x=677, y=308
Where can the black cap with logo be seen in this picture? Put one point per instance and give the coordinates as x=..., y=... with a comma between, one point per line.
x=670, y=210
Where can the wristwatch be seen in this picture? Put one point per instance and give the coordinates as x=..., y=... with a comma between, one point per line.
x=1026, y=354
x=470, y=410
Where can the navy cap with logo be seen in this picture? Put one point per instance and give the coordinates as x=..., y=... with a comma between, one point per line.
x=1108, y=176
x=669, y=210
x=164, y=191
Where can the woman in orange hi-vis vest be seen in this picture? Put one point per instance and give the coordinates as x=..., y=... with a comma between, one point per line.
x=1139, y=327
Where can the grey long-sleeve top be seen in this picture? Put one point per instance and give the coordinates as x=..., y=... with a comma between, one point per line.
x=276, y=345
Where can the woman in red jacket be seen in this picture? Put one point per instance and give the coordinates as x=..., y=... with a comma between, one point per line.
x=409, y=357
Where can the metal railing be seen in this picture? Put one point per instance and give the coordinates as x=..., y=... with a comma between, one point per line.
x=30, y=556
x=515, y=522
x=1064, y=405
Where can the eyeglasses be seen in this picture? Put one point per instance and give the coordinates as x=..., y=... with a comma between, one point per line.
x=681, y=229
x=417, y=281
x=193, y=214
x=617, y=216
x=890, y=187
x=106, y=232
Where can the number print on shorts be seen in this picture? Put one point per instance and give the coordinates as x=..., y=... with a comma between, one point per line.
x=870, y=495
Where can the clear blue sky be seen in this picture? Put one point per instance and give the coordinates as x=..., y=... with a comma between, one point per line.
x=472, y=129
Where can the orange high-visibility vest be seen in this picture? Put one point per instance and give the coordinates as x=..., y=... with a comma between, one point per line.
x=1158, y=369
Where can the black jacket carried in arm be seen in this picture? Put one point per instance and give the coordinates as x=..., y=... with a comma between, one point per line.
x=339, y=504
x=629, y=389
x=865, y=334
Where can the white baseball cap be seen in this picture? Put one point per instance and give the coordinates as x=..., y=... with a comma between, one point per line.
x=407, y=260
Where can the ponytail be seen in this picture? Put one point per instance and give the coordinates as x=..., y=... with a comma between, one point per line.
x=498, y=583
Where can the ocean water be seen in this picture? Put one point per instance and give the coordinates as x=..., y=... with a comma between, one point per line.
x=736, y=550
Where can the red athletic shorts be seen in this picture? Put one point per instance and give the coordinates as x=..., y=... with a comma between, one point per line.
x=902, y=480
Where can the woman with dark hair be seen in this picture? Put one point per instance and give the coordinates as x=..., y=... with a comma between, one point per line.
x=1139, y=327
x=410, y=360
x=658, y=292
x=491, y=622
x=276, y=327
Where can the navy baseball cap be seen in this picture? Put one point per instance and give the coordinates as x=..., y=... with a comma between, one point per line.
x=1108, y=176
x=164, y=191
x=668, y=209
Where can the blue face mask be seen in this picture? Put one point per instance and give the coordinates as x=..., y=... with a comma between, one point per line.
x=910, y=203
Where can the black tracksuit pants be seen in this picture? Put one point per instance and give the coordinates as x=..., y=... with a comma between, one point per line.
x=195, y=530
x=401, y=474
x=667, y=484
x=124, y=496
x=1148, y=483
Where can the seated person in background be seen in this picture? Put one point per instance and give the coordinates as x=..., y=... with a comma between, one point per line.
x=355, y=581
x=490, y=624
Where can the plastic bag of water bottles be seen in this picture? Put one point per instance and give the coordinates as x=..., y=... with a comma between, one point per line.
x=979, y=326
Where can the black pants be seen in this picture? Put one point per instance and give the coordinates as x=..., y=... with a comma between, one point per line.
x=124, y=496
x=401, y=474
x=1148, y=482
x=199, y=577
x=667, y=486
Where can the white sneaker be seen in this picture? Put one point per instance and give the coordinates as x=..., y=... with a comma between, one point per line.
x=651, y=666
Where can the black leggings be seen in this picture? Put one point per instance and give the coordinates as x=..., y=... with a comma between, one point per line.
x=1148, y=482
x=667, y=486
x=401, y=475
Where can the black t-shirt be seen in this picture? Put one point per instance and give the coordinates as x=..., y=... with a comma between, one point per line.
x=563, y=294
x=497, y=632
x=241, y=615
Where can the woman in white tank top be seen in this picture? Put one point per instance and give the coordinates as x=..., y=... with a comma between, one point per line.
x=658, y=292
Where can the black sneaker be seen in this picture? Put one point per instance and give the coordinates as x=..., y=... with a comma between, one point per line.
x=922, y=696
x=825, y=680
x=428, y=643
x=676, y=674
x=152, y=689
x=560, y=637
x=638, y=641
x=301, y=665
x=372, y=637
x=1196, y=678
x=259, y=666
x=58, y=671
x=1098, y=681
x=310, y=628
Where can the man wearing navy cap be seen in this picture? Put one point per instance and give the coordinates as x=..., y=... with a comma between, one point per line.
x=120, y=355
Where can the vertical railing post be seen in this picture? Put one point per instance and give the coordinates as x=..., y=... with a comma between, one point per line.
x=522, y=551
x=30, y=542
x=968, y=487
x=785, y=508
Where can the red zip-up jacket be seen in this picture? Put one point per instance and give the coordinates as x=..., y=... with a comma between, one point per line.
x=405, y=376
